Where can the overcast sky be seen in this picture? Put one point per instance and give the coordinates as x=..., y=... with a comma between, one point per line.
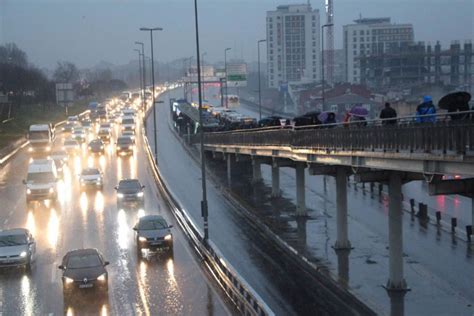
x=89, y=31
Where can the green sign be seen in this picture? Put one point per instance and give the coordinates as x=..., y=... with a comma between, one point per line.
x=236, y=77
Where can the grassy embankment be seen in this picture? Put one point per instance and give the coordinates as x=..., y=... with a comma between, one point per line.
x=34, y=114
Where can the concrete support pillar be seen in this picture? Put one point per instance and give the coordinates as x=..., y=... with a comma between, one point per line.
x=300, y=191
x=276, y=181
x=342, y=241
x=257, y=171
x=229, y=170
x=396, y=281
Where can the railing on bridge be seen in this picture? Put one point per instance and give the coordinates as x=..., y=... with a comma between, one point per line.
x=441, y=137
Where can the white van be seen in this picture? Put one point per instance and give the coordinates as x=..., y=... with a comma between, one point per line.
x=41, y=180
x=128, y=124
x=41, y=137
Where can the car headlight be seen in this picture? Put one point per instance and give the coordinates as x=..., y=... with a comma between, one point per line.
x=140, y=194
x=141, y=239
x=30, y=149
x=68, y=280
x=120, y=195
x=51, y=190
x=101, y=277
x=48, y=148
x=28, y=191
x=23, y=254
x=168, y=237
x=101, y=147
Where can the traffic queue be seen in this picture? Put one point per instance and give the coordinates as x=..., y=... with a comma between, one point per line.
x=105, y=129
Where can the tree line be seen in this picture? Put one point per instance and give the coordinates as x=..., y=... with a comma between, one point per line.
x=24, y=83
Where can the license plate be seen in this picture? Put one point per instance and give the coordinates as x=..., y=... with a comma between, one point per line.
x=85, y=286
x=156, y=243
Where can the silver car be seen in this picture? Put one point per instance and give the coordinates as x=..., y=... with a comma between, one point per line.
x=17, y=248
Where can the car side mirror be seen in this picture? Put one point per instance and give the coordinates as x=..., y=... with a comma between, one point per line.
x=143, y=186
x=106, y=263
x=135, y=228
x=61, y=267
x=24, y=181
x=31, y=243
x=116, y=187
x=170, y=226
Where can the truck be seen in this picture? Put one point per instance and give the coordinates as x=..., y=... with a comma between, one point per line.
x=41, y=138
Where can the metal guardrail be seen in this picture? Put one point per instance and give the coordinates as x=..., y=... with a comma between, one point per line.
x=443, y=136
x=247, y=301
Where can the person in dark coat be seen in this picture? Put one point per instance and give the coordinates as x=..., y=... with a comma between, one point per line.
x=387, y=113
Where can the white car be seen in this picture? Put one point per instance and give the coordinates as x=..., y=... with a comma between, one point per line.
x=17, y=248
x=71, y=146
x=91, y=178
x=79, y=134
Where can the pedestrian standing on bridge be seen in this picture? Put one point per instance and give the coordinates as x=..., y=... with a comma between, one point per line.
x=388, y=113
x=425, y=112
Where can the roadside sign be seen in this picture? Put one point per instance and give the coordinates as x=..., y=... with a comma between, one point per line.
x=237, y=75
x=64, y=94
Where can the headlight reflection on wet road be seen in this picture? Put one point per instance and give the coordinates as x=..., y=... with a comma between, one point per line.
x=123, y=230
x=26, y=296
x=53, y=228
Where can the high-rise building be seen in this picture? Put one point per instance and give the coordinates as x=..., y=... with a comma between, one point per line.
x=372, y=36
x=293, y=49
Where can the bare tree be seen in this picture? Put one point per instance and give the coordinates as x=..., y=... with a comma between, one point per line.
x=66, y=72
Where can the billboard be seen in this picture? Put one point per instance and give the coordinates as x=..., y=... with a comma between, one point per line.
x=237, y=75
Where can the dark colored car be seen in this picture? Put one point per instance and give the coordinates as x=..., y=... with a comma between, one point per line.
x=309, y=118
x=124, y=145
x=84, y=269
x=270, y=121
x=96, y=146
x=130, y=191
x=153, y=233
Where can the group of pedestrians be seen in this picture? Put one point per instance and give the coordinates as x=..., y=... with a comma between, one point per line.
x=426, y=112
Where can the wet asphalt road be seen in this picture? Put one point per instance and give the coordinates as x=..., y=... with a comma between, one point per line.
x=150, y=285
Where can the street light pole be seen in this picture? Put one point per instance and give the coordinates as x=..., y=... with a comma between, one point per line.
x=143, y=74
x=204, y=209
x=323, y=92
x=153, y=86
x=204, y=83
x=140, y=73
x=259, y=81
x=225, y=67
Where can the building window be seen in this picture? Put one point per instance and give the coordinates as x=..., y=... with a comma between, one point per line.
x=354, y=33
x=270, y=19
x=354, y=39
x=355, y=46
x=361, y=32
x=361, y=39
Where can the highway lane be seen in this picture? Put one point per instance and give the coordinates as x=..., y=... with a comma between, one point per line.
x=149, y=286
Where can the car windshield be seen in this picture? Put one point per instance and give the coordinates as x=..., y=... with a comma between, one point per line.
x=12, y=240
x=38, y=135
x=130, y=185
x=90, y=172
x=40, y=177
x=128, y=121
x=124, y=140
x=79, y=261
x=152, y=224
